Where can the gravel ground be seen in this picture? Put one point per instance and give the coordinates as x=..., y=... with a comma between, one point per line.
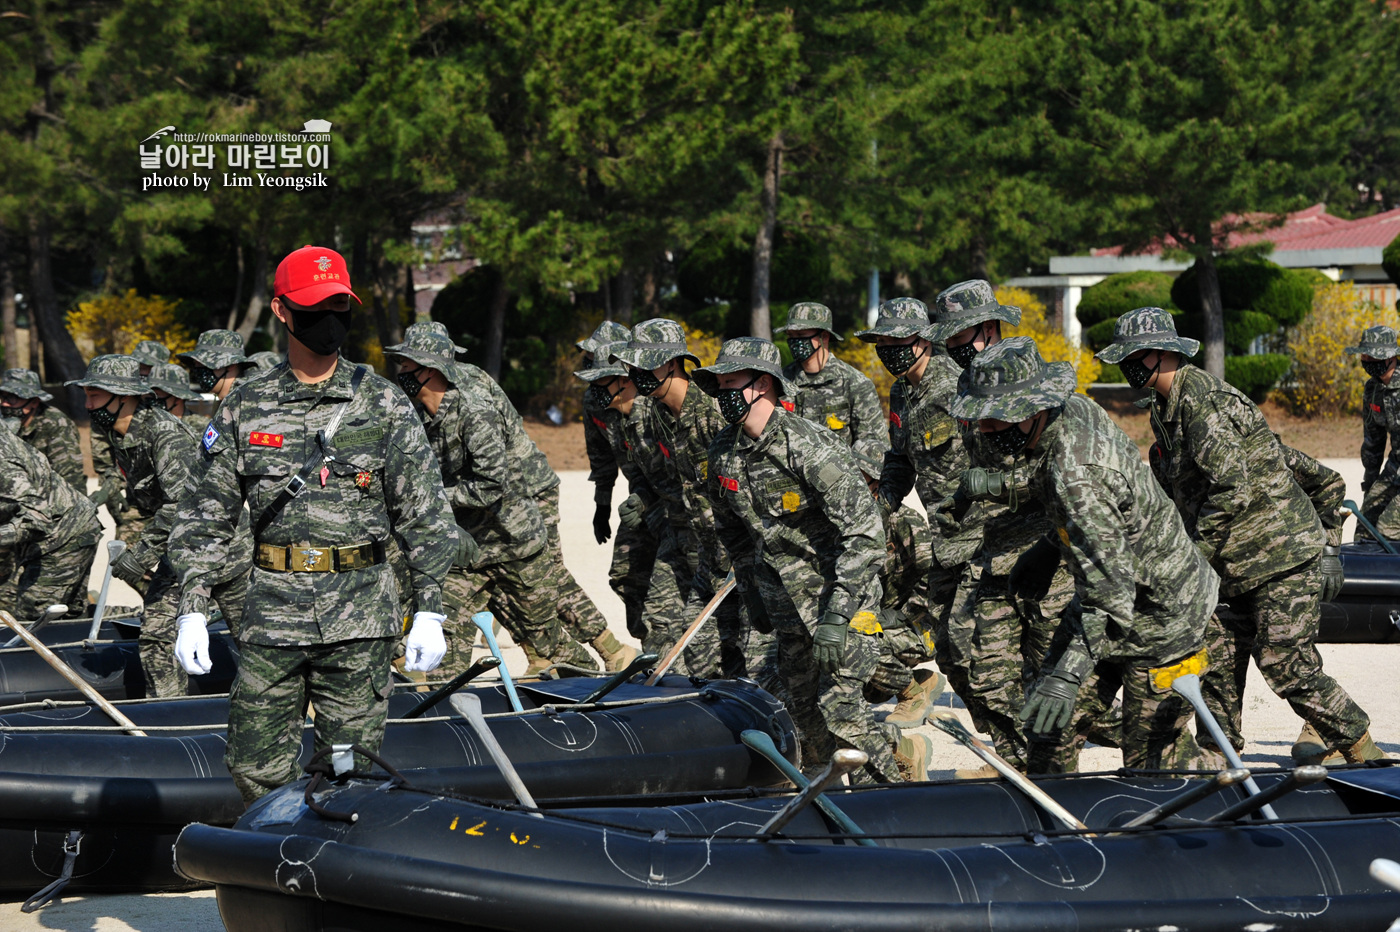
x=1270, y=727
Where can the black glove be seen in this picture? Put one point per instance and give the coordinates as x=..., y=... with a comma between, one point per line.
x=130, y=572
x=602, y=531
x=829, y=642
x=1050, y=704
x=1333, y=577
x=629, y=513
x=978, y=484
x=1366, y=484
x=467, y=550
x=1030, y=577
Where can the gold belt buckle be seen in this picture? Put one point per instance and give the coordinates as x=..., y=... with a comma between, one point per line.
x=310, y=560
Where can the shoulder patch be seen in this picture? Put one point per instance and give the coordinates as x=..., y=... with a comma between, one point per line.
x=895, y=419
x=728, y=484
x=788, y=405
x=826, y=476
x=211, y=436
x=364, y=435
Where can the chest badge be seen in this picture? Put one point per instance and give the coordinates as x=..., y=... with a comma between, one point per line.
x=834, y=422
x=788, y=405
x=791, y=501
x=362, y=479
x=728, y=484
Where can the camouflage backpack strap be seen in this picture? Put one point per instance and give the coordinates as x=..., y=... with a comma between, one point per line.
x=319, y=457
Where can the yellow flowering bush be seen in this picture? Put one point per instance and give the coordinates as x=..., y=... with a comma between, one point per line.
x=116, y=323
x=1052, y=343
x=1324, y=380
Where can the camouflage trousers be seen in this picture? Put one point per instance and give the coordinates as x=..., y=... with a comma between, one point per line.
x=519, y=594
x=347, y=684
x=668, y=590
x=1276, y=624
x=47, y=579
x=728, y=646
x=1381, y=506
x=633, y=557
x=904, y=644
x=161, y=672
x=129, y=525
x=575, y=609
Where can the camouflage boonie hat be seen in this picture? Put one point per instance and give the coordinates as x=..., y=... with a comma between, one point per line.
x=120, y=375
x=654, y=343
x=968, y=304
x=608, y=369
x=742, y=353
x=1009, y=381
x=899, y=318
x=173, y=380
x=809, y=315
x=428, y=347
x=433, y=326
x=1376, y=342
x=24, y=383
x=216, y=349
x=149, y=353
x=265, y=361
x=1146, y=328
x=608, y=332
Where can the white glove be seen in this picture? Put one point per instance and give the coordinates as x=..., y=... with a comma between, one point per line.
x=425, y=645
x=192, y=643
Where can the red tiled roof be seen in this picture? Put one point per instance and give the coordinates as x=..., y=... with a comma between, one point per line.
x=1311, y=228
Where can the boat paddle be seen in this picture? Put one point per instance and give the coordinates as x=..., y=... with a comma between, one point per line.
x=618, y=678
x=1350, y=505
x=842, y=762
x=57, y=610
x=469, y=707
x=485, y=622
x=115, y=548
x=68, y=674
x=948, y=723
x=763, y=744
x=1194, y=795
x=671, y=655
x=1189, y=686
x=452, y=685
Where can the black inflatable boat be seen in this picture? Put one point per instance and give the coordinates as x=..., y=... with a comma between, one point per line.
x=1368, y=608
x=965, y=856
x=66, y=768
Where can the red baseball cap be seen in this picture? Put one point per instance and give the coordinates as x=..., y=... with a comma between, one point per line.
x=311, y=274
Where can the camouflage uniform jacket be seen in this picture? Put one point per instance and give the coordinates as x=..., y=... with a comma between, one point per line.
x=54, y=434
x=1008, y=528
x=539, y=477
x=842, y=399
x=39, y=512
x=384, y=481
x=908, y=555
x=155, y=456
x=684, y=441
x=483, y=486
x=927, y=452
x=1325, y=488
x=793, y=510
x=109, y=477
x=1143, y=591
x=656, y=484
x=606, y=445
x=1380, y=421
x=1223, y=466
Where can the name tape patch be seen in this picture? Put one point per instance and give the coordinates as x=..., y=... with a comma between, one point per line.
x=264, y=440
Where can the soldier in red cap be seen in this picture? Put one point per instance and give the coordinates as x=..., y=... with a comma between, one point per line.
x=333, y=464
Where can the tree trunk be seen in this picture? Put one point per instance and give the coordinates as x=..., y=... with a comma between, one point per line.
x=977, y=257
x=1208, y=282
x=649, y=291
x=237, y=290
x=760, y=318
x=43, y=305
x=259, y=299
x=626, y=295
x=496, y=329
x=7, y=303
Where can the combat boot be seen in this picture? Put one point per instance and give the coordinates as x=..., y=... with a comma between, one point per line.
x=913, y=755
x=1362, y=751
x=537, y=664
x=985, y=772
x=917, y=699
x=616, y=655
x=1311, y=749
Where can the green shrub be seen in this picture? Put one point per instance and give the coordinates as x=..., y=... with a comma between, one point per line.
x=1111, y=373
x=1119, y=294
x=1390, y=260
x=1100, y=334
x=1241, y=327
x=1243, y=281
x=1256, y=375
x=1288, y=297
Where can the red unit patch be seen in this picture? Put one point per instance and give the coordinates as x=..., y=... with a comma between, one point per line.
x=789, y=405
x=665, y=452
x=265, y=440
x=894, y=419
x=731, y=485
x=598, y=423
x=1376, y=408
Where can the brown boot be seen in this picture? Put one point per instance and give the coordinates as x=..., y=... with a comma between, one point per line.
x=1311, y=749
x=537, y=664
x=913, y=755
x=985, y=772
x=917, y=699
x=1362, y=751
x=616, y=655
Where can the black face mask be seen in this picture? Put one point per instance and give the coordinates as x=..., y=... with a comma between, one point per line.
x=964, y=353
x=802, y=348
x=104, y=418
x=897, y=357
x=599, y=396
x=1375, y=368
x=322, y=332
x=732, y=406
x=205, y=378
x=169, y=403
x=1136, y=373
x=408, y=381
x=646, y=382
x=8, y=411
x=1009, y=440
